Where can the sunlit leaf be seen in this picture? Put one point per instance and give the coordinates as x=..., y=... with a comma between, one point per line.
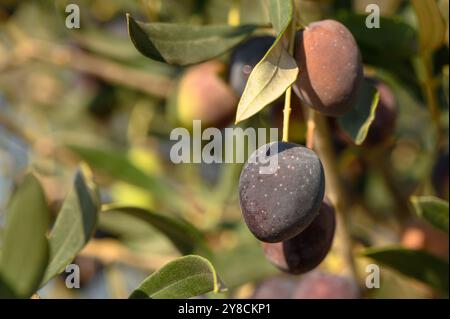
x=243, y=264
x=184, y=277
x=280, y=13
x=184, y=44
x=432, y=209
x=73, y=227
x=25, y=248
x=413, y=263
x=356, y=123
x=276, y=71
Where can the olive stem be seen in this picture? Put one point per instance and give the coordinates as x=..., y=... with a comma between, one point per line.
x=234, y=16
x=287, y=99
x=335, y=190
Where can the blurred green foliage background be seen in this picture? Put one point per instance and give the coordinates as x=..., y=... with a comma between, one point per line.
x=71, y=95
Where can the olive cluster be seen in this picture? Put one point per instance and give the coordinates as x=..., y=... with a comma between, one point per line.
x=287, y=210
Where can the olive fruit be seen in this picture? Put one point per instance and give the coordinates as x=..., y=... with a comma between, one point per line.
x=277, y=287
x=383, y=125
x=305, y=251
x=203, y=95
x=419, y=235
x=320, y=285
x=330, y=67
x=244, y=58
x=279, y=205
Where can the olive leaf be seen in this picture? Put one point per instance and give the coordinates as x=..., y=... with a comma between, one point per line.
x=280, y=13
x=432, y=26
x=73, y=227
x=356, y=123
x=117, y=165
x=432, y=209
x=243, y=264
x=24, y=255
x=402, y=40
x=185, y=277
x=276, y=71
x=184, y=44
x=413, y=263
x=186, y=238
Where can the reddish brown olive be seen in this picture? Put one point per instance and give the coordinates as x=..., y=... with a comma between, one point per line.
x=330, y=66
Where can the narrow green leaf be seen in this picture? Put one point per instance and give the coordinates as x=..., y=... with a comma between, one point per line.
x=74, y=226
x=184, y=44
x=432, y=209
x=413, y=263
x=117, y=165
x=402, y=40
x=185, y=277
x=246, y=263
x=356, y=123
x=280, y=12
x=25, y=248
x=268, y=81
x=185, y=237
x=276, y=71
x=431, y=24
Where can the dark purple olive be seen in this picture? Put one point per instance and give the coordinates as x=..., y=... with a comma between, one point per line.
x=305, y=251
x=279, y=205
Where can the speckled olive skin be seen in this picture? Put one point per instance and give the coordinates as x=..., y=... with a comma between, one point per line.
x=280, y=205
x=244, y=58
x=305, y=251
x=330, y=66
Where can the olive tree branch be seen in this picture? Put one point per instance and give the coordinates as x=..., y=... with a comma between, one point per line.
x=335, y=190
x=65, y=56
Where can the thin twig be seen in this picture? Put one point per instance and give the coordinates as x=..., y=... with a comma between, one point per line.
x=109, y=251
x=287, y=101
x=376, y=158
x=65, y=56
